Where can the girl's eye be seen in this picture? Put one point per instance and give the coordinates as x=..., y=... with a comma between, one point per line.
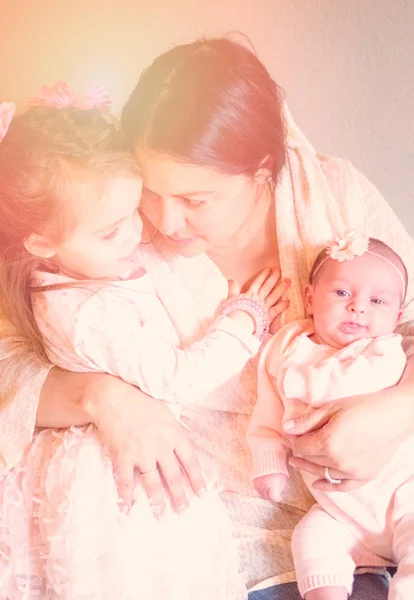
x=377, y=301
x=341, y=293
x=111, y=235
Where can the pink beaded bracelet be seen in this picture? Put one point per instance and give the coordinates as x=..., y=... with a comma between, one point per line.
x=255, y=307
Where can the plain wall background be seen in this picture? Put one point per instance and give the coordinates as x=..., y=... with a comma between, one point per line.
x=346, y=65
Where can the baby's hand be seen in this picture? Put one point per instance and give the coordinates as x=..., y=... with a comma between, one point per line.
x=271, y=486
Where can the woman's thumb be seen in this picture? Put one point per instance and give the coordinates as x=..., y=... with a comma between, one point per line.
x=309, y=421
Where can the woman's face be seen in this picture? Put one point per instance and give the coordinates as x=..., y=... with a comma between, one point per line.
x=196, y=208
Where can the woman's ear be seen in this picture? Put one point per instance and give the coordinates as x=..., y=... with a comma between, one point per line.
x=264, y=170
x=40, y=246
x=308, y=298
x=400, y=314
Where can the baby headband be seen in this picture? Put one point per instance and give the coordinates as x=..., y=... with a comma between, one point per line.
x=61, y=96
x=7, y=111
x=350, y=245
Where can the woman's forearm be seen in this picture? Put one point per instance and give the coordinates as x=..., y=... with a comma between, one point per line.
x=408, y=375
x=66, y=398
x=402, y=398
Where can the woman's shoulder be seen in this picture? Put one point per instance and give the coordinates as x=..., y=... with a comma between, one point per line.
x=342, y=172
x=336, y=170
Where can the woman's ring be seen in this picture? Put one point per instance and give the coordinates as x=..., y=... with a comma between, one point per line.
x=149, y=473
x=330, y=479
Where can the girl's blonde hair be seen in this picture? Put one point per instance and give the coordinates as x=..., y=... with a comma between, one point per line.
x=46, y=157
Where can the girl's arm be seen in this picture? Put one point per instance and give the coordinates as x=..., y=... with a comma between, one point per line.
x=130, y=336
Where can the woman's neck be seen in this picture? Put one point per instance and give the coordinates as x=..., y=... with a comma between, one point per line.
x=254, y=247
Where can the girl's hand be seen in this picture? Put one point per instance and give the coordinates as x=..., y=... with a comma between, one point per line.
x=141, y=433
x=269, y=287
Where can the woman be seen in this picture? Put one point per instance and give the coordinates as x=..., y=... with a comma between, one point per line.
x=229, y=194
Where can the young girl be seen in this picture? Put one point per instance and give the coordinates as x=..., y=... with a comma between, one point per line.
x=355, y=297
x=69, y=226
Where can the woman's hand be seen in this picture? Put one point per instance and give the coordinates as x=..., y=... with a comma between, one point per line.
x=355, y=437
x=141, y=433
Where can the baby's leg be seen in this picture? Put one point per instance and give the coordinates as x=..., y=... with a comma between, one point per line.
x=322, y=552
x=402, y=584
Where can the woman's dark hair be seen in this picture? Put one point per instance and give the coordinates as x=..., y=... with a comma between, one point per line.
x=209, y=103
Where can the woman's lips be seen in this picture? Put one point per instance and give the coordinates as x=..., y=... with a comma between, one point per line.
x=182, y=241
x=351, y=327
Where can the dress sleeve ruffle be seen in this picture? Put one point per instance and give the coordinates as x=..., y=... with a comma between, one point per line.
x=22, y=376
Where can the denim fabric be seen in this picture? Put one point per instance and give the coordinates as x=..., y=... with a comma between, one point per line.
x=366, y=587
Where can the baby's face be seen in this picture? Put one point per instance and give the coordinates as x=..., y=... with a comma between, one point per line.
x=106, y=234
x=355, y=299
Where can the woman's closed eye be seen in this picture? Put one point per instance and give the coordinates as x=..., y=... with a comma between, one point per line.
x=193, y=202
x=111, y=235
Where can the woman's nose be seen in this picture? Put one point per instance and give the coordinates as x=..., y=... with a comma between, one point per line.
x=133, y=236
x=170, y=217
x=137, y=224
x=166, y=214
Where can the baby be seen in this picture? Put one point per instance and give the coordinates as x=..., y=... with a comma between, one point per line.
x=69, y=230
x=355, y=298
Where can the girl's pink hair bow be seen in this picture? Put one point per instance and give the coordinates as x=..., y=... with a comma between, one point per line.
x=7, y=111
x=61, y=96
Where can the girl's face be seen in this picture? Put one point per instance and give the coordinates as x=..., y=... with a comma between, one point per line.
x=105, y=233
x=196, y=208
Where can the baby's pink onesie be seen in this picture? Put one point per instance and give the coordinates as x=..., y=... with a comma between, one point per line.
x=370, y=526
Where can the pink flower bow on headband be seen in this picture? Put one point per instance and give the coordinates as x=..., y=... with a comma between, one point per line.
x=61, y=96
x=7, y=110
x=347, y=246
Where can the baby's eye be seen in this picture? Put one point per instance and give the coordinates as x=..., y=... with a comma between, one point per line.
x=111, y=235
x=341, y=293
x=377, y=301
